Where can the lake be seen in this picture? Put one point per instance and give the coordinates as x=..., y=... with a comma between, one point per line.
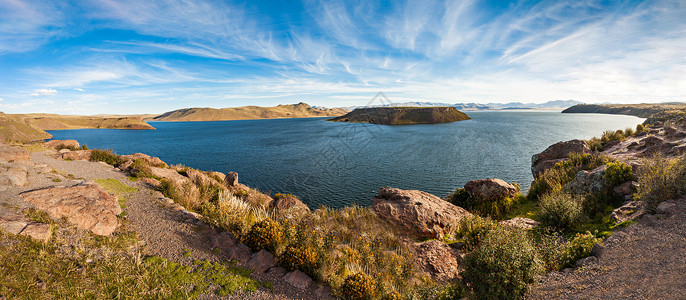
x=339, y=164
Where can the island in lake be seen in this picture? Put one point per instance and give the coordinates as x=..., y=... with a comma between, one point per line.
x=403, y=115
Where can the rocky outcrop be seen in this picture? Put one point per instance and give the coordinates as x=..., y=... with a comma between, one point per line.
x=13, y=154
x=17, y=224
x=169, y=174
x=556, y=153
x=519, y=222
x=437, y=260
x=13, y=174
x=75, y=155
x=491, y=189
x=403, y=115
x=631, y=211
x=231, y=179
x=149, y=160
x=63, y=144
x=420, y=212
x=289, y=204
x=587, y=181
x=86, y=205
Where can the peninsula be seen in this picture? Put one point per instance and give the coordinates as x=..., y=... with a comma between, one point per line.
x=654, y=112
x=403, y=115
x=300, y=110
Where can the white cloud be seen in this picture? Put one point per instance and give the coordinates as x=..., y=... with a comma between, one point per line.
x=44, y=92
x=78, y=89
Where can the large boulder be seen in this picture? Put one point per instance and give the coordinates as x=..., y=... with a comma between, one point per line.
x=201, y=178
x=491, y=189
x=151, y=161
x=556, y=153
x=63, y=144
x=169, y=174
x=289, y=204
x=75, y=155
x=13, y=175
x=231, y=179
x=86, y=205
x=437, y=260
x=587, y=181
x=10, y=154
x=420, y=212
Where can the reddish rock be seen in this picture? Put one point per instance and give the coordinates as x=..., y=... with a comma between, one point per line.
x=38, y=231
x=289, y=203
x=224, y=240
x=152, y=182
x=86, y=205
x=126, y=165
x=13, y=154
x=261, y=261
x=240, y=253
x=420, y=212
x=231, y=179
x=151, y=161
x=76, y=155
x=491, y=189
x=13, y=226
x=200, y=178
x=298, y=279
x=437, y=259
x=14, y=175
x=64, y=144
x=556, y=153
x=169, y=174
x=219, y=175
x=631, y=211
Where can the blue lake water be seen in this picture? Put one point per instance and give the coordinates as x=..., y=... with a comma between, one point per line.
x=339, y=164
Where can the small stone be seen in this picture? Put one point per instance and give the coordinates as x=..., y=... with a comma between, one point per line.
x=666, y=208
x=38, y=231
x=597, y=250
x=276, y=272
x=223, y=240
x=13, y=227
x=240, y=253
x=298, y=279
x=261, y=261
x=586, y=261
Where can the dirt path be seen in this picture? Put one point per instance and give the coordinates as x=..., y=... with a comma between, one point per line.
x=167, y=231
x=644, y=261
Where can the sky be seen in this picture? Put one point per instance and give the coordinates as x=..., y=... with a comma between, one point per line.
x=152, y=56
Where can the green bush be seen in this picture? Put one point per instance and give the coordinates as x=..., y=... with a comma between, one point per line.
x=472, y=229
x=141, y=169
x=358, y=286
x=660, y=179
x=265, y=234
x=579, y=247
x=502, y=266
x=560, y=210
x=550, y=246
x=495, y=209
x=301, y=257
x=640, y=128
x=555, y=178
x=107, y=156
x=617, y=173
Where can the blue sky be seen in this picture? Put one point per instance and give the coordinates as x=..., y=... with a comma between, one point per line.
x=133, y=56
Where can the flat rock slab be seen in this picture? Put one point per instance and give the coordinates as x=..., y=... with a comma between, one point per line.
x=38, y=231
x=86, y=205
x=13, y=227
x=298, y=279
x=12, y=154
x=261, y=261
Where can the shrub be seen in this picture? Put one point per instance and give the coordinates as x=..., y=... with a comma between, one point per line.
x=550, y=246
x=579, y=247
x=555, y=178
x=640, y=128
x=495, y=209
x=616, y=173
x=358, y=286
x=629, y=131
x=233, y=214
x=264, y=235
x=560, y=210
x=502, y=266
x=660, y=179
x=141, y=169
x=281, y=196
x=472, y=229
x=107, y=156
x=300, y=257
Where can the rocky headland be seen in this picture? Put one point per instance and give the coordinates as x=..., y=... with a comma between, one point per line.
x=300, y=110
x=659, y=112
x=403, y=115
x=427, y=247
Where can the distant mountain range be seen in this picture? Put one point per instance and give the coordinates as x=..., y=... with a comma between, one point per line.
x=555, y=104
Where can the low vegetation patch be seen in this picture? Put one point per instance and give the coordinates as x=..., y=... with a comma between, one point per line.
x=555, y=178
x=494, y=209
x=107, y=156
x=660, y=179
x=116, y=187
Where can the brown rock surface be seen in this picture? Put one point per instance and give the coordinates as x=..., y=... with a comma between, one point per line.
x=437, y=259
x=556, y=153
x=519, y=222
x=13, y=175
x=420, y=212
x=54, y=144
x=152, y=161
x=169, y=174
x=76, y=155
x=261, y=261
x=298, y=279
x=231, y=179
x=491, y=189
x=631, y=211
x=289, y=203
x=87, y=206
x=13, y=154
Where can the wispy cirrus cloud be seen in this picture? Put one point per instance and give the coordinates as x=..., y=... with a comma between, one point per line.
x=44, y=92
x=226, y=53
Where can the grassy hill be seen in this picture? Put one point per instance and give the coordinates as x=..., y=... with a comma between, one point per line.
x=300, y=110
x=31, y=127
x=403, y=115
x=653, y=112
